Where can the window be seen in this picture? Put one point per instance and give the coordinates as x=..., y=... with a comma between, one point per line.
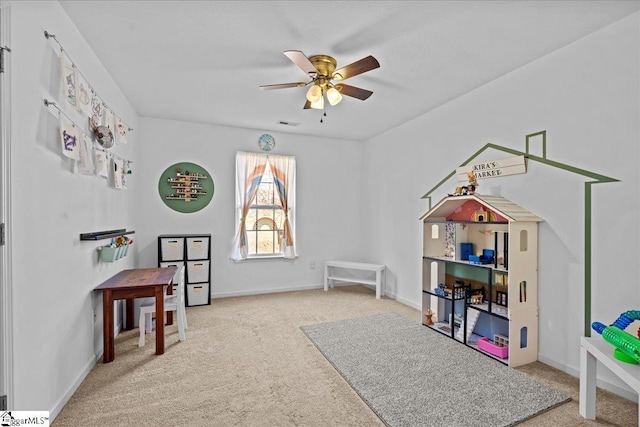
x=264, y=224
x=523, y=240
x=265, y=200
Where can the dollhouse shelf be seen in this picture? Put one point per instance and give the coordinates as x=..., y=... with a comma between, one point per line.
x=99, y=235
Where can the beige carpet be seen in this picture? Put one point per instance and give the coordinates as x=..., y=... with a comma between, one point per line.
x=246, y=363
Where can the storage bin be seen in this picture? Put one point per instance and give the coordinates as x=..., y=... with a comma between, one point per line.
x=176, y=277
x=197, y=271
x=172, y=248
x=198, y=294
x=197, y=247
x=108, y=254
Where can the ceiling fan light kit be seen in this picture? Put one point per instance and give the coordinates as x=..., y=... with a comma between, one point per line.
x=333, y=96
x=314, y=93
x=322, y=71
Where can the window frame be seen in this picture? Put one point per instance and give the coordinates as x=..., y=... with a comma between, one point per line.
x=278, y=232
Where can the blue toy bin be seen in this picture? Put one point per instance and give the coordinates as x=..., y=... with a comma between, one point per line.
x=108, y=254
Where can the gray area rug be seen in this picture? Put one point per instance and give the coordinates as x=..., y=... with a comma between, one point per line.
x=410, y=375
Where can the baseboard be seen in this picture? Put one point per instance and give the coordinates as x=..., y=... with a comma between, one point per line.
x=265, y=291
x=53, y=413
x=605, y=385
x=404, y=301
x=57, y=408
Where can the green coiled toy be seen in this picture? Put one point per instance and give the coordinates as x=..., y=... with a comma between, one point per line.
x=627, y=346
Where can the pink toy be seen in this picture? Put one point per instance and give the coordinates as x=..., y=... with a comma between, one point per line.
x=489, y=347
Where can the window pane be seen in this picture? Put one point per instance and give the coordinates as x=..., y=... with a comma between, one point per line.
x=279, y=219
x=266, y=214
x=265, y=195
x=266, y=243
x=251, y=242
x=251, y=218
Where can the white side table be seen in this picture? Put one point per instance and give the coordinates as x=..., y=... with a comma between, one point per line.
x=331, y=275
x=593, y=350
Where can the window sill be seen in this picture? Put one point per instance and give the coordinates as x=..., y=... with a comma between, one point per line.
x=267, y=257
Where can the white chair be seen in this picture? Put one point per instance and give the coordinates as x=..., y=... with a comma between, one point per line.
x=173, y=302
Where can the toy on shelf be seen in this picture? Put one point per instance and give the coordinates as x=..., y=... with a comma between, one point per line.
x=627, y=346
x=186, y=185
x=493, y=348
x=469, y=189
x=429, y=315
x=487, y=257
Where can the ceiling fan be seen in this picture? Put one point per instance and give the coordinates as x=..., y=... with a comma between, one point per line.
x=322, y=71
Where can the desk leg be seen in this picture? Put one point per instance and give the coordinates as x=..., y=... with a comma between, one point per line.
x=107, y=326
x=378, y=283
x=130, y=310
x=160, y=320
x=587, y=403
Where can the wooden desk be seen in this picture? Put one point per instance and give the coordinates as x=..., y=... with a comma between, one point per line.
x=131, y=284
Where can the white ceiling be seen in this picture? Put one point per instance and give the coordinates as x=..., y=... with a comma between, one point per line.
x=203, y=61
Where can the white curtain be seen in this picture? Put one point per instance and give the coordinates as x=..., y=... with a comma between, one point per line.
x=249, y=170
x=283, y=169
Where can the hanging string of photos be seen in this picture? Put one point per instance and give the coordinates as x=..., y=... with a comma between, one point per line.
x=107, y=129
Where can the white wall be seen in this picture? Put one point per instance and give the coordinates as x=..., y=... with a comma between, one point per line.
x=329, y=214
x=586, y=96
x=56, y=342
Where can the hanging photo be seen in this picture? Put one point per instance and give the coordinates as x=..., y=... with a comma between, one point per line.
x=125, y=171
x=84, y=96
x=69, y=80
x=121, y=131
x=109, y=120
x=101, y=162
x=97, y=111
x=70, y=140
x=117, y=166
x=85, y=165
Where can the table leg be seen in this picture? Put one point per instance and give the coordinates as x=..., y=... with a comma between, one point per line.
x=587, y=403
x=129, y=320
x=378, y=283
x=160, y=319
x=326, y=274
x=107, y=326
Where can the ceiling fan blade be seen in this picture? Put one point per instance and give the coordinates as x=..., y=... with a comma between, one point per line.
x=353, y=91
x=282, y=85
x=301, y=60
x=362, y=66
x=307, y=105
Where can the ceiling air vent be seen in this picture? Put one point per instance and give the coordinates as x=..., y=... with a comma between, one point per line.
x=285, y=123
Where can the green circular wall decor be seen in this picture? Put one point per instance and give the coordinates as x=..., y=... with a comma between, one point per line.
x=186, y=187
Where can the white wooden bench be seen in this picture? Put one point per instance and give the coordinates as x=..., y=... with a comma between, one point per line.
x=331, y=274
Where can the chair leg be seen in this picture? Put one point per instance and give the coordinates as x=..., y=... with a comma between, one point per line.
x=149, y=323
x=184, y=318
x=141, y=327
x=181, y=325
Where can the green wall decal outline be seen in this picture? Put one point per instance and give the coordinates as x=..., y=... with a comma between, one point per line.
x=598, y=179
